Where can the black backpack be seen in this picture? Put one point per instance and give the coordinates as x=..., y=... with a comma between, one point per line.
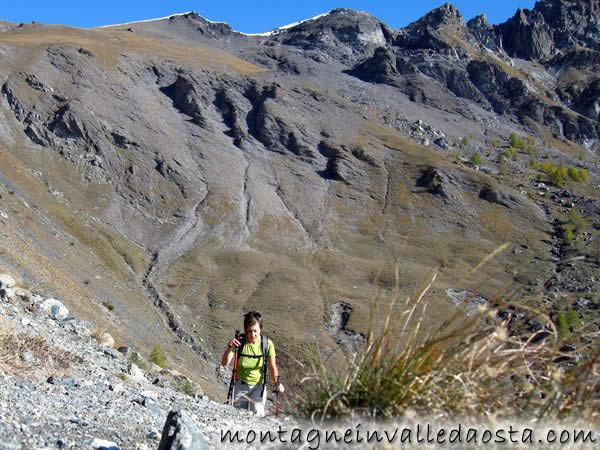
x=265, y=345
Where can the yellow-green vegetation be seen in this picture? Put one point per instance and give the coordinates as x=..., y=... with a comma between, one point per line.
x=464, y=368
x=568, y=235
x=512, y=153
x=465, y=141
x=158, y=357
x=184, y=386
x=579, y=223
x=526, y=144
x=136, y=359
x=476, y=159
x=579, y=175
x=558, y=174
x=567, y=323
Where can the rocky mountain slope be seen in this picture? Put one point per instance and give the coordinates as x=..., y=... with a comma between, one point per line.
x=163, y=177
x=62, y=385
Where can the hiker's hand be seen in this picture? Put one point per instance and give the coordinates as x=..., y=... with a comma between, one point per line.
x=279, y=388
x=234, y=343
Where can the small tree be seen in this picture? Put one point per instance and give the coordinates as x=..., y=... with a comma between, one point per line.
x=514, y=140
x=563, y=326
x=157, y=356
x=568, y=234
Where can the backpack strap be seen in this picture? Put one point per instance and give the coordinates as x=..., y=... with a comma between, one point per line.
x=265, y=348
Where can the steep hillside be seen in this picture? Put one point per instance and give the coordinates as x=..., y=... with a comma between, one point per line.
x=185, y=173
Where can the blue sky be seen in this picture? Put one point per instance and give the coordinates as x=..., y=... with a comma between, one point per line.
x=246, y=16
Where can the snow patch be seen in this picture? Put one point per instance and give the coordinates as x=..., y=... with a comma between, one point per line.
x=286, y=27
x=160, y=18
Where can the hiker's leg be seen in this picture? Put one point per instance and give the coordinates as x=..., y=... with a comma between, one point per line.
x=240, y=392
x=257, y=402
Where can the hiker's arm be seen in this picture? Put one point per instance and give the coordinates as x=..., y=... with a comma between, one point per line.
x=275, y=373
x=227, y=357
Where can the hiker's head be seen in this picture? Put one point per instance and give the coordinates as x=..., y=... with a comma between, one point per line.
x=253, y=324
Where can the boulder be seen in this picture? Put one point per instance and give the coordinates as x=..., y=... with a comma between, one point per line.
x=6, y=281
x=54, y=309
x=181, y=433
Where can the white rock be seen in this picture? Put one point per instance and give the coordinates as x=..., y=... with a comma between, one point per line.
x=23, y=294
x=25, y=321
x=102, y=444
x=54, y=309
x=134, y=371
x=6, y=281
x=106, y=340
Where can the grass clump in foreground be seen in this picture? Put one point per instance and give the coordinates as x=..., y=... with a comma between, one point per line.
x=467, y=367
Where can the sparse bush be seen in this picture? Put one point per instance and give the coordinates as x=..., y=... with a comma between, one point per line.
x=513, y=140
x=512, y=153
x=466, y=141
x=135, y=358
x=579, y=175
x=157, y=356
x=476, y=159
x=563, y=326
x=568, y=236
x=185, y=387
x=581, y=157
x=122, y=376
x=14, y=345
x=572, y=319
x=495, y=144
x=579, y=223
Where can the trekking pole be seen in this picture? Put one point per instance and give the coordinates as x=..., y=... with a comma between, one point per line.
x=276, y=396
x=230, y=395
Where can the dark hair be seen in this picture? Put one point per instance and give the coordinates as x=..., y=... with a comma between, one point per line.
x=251, y=318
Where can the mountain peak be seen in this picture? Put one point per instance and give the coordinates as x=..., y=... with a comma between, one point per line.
x=447, y=14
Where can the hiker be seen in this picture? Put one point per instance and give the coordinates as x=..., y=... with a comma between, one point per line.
x=249, y=388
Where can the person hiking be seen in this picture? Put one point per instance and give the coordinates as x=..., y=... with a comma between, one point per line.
x=255, y=353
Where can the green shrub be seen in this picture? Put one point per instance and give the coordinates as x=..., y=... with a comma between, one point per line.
x=476, y=159
x=465, y=141
x=512, y=153
x=568, y=235
x=579, y=175
x=563, y=326
x=572, y=318
x=530, y=150
x=135, y=358
x=581, y=157
x=184, y=386
x=513, y=140
x=495, y=143
x=157, y=356
x=579, y=223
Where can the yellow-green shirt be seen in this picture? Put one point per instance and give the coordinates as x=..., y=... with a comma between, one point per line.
x=250, y=370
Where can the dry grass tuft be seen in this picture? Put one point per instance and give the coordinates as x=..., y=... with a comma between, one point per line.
x=468, y=367
x=13, y=346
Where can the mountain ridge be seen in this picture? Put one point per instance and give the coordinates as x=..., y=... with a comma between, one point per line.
x=187, y=174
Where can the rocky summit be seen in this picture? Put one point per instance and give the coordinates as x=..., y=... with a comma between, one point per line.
x=160, y=178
